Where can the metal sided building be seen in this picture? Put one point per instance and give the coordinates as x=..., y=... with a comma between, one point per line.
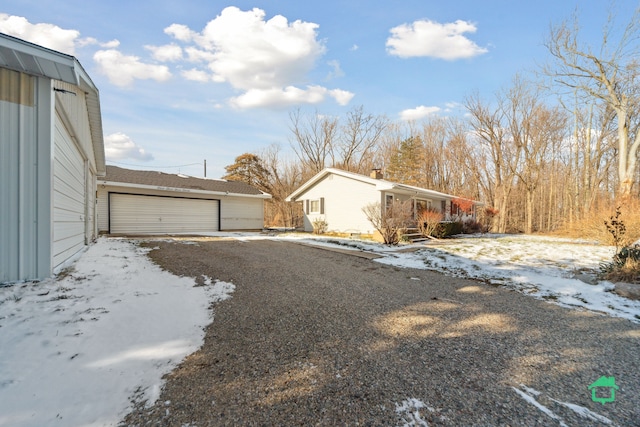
x=51, y=151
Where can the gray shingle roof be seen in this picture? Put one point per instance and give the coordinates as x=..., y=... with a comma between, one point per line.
x=161, y=179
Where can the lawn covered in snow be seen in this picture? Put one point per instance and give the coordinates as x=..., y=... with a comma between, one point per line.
x=80, y=350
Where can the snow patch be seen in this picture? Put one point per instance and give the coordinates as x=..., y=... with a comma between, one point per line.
x=409, y=411
x=584, y=412
x=81, y=350
x=540, y=406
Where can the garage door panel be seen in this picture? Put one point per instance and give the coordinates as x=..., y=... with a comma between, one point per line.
x=68, y=197
x=140, y=214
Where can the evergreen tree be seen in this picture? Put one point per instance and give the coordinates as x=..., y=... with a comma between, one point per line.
x=249, y=168
x=405, y=164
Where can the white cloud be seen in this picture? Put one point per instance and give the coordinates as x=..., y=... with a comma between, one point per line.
x=289, y=96
x=122, y=70
x=111, y=44
x=196, y=75
x=119, y=146
x=354, y=48
x=336, y=72
x=47, y=35
x=342, y=97
x=180, y=32
x=432, y=39
x=91, y=41
x=198, y=55
x=167, y=53
x=265, y=59
x=418, y=113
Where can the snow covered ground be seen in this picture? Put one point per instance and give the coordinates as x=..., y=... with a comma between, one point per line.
x=80, y=350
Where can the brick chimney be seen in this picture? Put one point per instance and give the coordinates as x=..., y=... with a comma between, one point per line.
x=376, y=174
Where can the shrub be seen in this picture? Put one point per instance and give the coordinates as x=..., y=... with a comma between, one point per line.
x=448, y=228
x=428, y=221
x=615, y=226
x=471, y=226
x=319, y=226
x=625, y=266
x=390, y=221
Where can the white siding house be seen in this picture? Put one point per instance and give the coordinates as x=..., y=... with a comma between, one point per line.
x=150, y=202
x=51, y=151
x=337, y=197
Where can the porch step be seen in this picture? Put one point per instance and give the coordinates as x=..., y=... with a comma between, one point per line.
x=413, y=235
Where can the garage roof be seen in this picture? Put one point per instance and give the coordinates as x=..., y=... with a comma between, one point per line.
x=167, y=181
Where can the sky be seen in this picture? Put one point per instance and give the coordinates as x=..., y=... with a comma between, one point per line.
x=184, y=82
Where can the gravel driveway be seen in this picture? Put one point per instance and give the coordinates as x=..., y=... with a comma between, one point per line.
x=315, y=337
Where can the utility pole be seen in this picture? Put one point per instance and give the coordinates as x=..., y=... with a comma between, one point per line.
x=205, y=168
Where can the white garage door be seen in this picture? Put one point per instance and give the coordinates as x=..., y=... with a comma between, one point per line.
x=69, y=196
x=136, y=214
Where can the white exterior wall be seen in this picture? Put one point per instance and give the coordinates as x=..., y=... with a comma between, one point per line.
x=25, y=174
x=236, y=213
x=241, y=213
x=69, y=196
x=102, y=209
x=344, y=199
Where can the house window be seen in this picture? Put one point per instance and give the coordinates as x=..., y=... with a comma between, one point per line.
x=422, y=205
x=388, y=201
x=455, y=209
x=315, y=206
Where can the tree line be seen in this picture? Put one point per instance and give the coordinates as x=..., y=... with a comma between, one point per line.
x=544, y=152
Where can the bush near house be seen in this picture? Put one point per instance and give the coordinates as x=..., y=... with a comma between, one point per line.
x=428, y=221
x=471, y=226
x=448, y=228
x=389, y=221
x=320, y=226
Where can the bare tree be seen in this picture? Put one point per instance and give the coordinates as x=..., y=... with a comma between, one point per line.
x=314, y=139
x=533, y=128
x=284, y=177
x=358, y=140
x=610, y=74
x=498, y=155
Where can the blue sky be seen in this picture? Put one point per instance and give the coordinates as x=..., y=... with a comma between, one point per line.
x=185, y=81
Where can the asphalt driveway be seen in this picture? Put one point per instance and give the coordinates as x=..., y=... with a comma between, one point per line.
x=315, y=337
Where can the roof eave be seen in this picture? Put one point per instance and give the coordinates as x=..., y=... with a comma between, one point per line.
x=29, y=58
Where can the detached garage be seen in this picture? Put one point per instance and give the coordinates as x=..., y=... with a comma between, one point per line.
x=51, y=151
x=150, y=202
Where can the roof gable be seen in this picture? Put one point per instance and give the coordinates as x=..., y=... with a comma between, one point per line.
x=25, y=57
x=117, y=174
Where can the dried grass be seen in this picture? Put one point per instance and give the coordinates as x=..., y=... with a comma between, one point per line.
x=592, y=226
x=628, y=273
